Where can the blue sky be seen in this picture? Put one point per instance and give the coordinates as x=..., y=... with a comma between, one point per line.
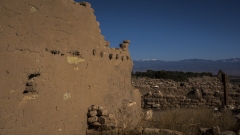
x=172, y=29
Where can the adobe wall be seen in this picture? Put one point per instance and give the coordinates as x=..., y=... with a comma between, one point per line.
x=54, y=64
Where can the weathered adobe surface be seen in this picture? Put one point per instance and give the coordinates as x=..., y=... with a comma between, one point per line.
x=54, y=64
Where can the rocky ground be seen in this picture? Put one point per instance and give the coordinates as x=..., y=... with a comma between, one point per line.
x=160, y=96
x=205, y=92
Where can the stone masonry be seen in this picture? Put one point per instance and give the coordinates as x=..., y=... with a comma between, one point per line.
x=204, y=92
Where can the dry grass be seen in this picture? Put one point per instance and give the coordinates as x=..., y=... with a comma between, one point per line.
x=189, y=121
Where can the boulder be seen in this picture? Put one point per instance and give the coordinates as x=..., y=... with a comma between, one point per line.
x=111, y=116
x=93, y=107
x=124, y=46
x=100, y=108
x=149, y=93
x=103, y=119
x=227, y=133
x=182, y=84
x=169, y=132
x=107, y=43
x=92, y=113
x=151, y=131
x=139, y=130
x=157, y=94
x=156, y=131
x=95, y=124
x=92, y=132
x=195, y=94
x=92, y=119
x=148, y=115
x=105, y=127
x=126, y=41
x=203, y=131
x=209, y=131
x=102, y=112
x=156, y=105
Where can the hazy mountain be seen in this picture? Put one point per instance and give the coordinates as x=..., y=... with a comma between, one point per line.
x=230, y=66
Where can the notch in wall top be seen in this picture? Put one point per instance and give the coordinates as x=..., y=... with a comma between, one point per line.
x=124, y=45
x=33, y=75
x=107, y=43
x=126, y=41
x=85, y=4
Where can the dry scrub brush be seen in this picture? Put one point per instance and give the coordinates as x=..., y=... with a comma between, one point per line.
x=189, y=121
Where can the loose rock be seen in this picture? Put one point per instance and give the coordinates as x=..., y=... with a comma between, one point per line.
x=103, y=119
x=101, y=112
x=92, y=113
x=92, y=119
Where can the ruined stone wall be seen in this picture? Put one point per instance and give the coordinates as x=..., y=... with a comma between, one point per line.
x=54, y=64
x=204, y=92
x=210, y=100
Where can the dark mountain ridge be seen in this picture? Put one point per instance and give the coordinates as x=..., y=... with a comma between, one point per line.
x=230, y=66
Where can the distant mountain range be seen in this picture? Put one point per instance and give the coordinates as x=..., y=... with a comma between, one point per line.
x=229, y=66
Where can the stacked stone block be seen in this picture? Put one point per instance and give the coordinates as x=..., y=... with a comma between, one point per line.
x=99, y=119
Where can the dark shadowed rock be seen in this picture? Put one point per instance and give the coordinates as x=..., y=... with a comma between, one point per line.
x=92, y=119
x=169, y=132
x=227, y=133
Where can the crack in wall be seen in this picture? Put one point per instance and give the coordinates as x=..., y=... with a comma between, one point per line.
x=16, y=32
x=21, y=50
x=67, y=22
x=9, y=10
x=60, y=18
x=63, y=31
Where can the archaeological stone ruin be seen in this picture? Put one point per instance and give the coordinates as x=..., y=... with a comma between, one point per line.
x=59, y=76
x=205, y=92
x=55, y=64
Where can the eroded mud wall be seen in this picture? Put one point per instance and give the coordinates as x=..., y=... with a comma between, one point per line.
x=54, y=64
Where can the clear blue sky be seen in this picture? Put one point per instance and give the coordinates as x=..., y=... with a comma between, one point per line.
x=172, y=29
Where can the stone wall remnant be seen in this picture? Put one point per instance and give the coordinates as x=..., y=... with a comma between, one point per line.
x=198, y=92
x=99, y=119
